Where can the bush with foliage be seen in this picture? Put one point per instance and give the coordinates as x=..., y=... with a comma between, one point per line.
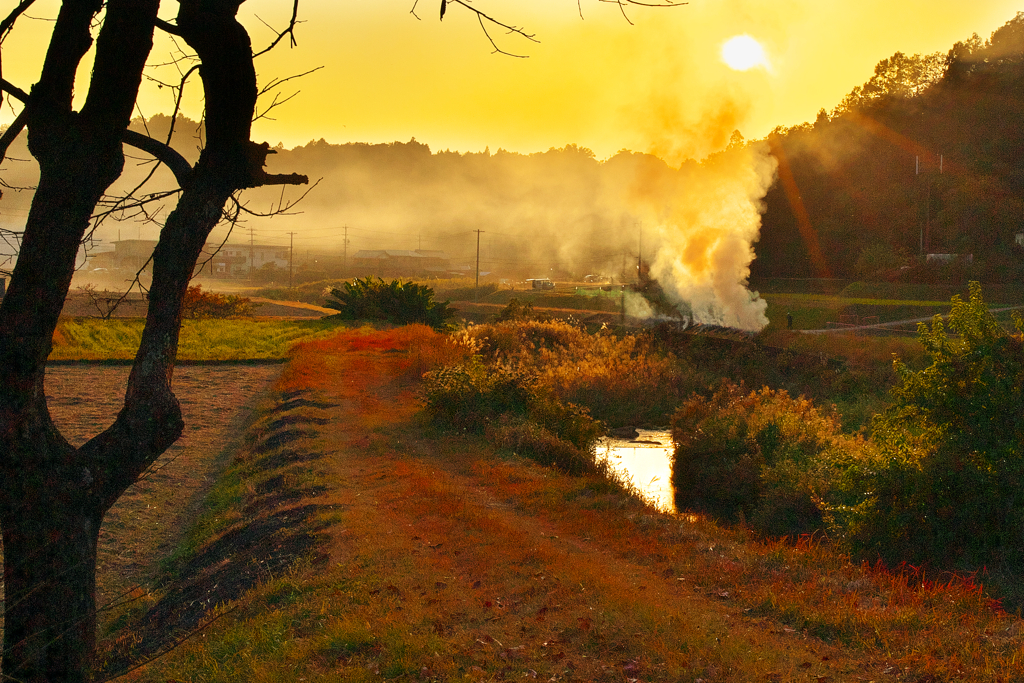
x=516, y=310
x=760, y=456
x=947, y=490
x=199, y=304
x=622, y=380
x=515, y=411
x=397, y=302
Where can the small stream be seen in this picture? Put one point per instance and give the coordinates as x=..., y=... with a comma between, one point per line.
x=646, y=462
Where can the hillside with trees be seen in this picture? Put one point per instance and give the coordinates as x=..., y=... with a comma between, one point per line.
x=924, y=158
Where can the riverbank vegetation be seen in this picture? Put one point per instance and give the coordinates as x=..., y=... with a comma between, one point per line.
x=357, y=538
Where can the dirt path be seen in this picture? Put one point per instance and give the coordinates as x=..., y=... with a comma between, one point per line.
x=443, y=560
x=894, y=324
x=569, y=603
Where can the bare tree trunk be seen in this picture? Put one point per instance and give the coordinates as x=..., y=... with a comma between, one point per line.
x=50, y=507
x=54, y=496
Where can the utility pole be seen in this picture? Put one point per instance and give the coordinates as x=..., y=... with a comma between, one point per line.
x=252, y=254
x=477, y=292
x=291, y=260
x=926, y=228
x=916, y=203
x=344, y=252
x=640, y=251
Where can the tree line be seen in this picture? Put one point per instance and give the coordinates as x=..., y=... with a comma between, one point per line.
x=923, y=158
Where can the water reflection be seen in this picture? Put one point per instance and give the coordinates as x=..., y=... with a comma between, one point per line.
x=645, y=461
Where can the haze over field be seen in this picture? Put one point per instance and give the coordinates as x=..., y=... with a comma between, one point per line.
x=674, y=83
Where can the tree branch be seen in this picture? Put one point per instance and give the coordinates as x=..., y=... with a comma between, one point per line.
x=257, y=158
x=8, y=23
x=167, y=27
x=164, y=153
x=12, y=132
x=484, y=17
x=275, y=83
x=72, y=39
x=290, y=32
x=13, y=90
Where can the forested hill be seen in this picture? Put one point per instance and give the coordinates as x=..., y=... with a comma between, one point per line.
x=930, y=149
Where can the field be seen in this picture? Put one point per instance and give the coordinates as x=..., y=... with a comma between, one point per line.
x=117, y=339
x=818, y=305
x=349, y=541
x=343, y=537
x=145, y=524
x=814, y=304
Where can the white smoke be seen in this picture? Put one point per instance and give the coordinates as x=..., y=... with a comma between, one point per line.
x=706, y=236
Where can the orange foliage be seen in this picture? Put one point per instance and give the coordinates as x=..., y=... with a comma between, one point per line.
x=416, y=348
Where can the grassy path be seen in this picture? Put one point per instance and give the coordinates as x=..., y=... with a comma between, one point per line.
x=897, y=323
x=348, y=543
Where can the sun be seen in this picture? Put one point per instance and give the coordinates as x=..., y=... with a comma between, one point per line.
x=743, y=52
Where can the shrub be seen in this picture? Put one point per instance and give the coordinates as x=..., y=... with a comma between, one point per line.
x=470, y=395
x=759, y=456
x=540, y=444
x=395, y=302
x=199, y=304
x=521, y=340
x=946, y=491
x=513, y=410
x=516, y=310
x=622, y=380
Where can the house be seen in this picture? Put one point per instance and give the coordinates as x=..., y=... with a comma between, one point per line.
x=235, y=260
x=400, y=262
x=130, y=255
x=227, y=260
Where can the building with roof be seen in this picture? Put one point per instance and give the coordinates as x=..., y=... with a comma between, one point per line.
x=395, y=262
x=226, y=261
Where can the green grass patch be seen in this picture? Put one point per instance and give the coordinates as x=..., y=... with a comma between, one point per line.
x=905, y=292
x=201, y=340
x=816, y=311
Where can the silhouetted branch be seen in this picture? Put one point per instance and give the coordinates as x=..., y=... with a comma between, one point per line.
x=290, y=32
x=486, y=20
x=12, y=132
x=282, y=208
x=8, y=23
x=164, y=153
x=278, y=101
x=13, y=90
x=167, y=27
x=483, y=19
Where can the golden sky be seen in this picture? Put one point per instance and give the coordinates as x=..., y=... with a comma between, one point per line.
x=657, y=85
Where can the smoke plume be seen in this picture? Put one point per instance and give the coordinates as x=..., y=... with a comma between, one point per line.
x=705, y=236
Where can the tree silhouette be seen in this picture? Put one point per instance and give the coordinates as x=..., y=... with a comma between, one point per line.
x=55, y=495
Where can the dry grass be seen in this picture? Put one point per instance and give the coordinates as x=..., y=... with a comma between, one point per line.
x=622, y=380
x=439, y=559
x=201, y=340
